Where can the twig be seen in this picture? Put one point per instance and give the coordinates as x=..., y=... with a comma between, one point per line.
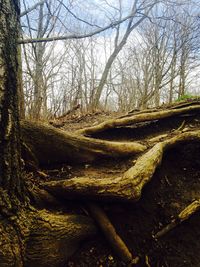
x=147, y=261
x=180, y=128
x=182, y=216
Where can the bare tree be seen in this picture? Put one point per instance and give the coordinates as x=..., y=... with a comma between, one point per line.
x=120, y=42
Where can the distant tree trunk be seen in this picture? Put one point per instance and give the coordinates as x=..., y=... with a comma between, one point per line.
x=20, y=87
x=38, y=77
x=182, y=76
x=118, y=47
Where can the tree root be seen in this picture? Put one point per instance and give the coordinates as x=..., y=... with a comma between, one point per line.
x=182, y=216
x=125, y=188
x=53, y=238
x=32, y=238
x=42, y=199
x=113, y=238
x=50, y=145
x=140, y=117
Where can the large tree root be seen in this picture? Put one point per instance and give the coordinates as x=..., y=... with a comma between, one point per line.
x=53, y=238
x=40, y=238
x=50, y=145
x=140, y=117
x=182, y=216
x=125, y=188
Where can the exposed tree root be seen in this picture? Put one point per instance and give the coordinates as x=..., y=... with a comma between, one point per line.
x=50, y=145
x=41, y=198
x=182, y=216
x=114, y=239
x=125, y=188
x=39, y=238
x=54, y=237
x=140, y=117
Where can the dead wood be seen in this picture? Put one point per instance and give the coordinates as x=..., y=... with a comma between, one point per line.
x=128, y=187
x=141, y=117
x=60, y=120
x=69, y=111
x=182, y=216
x=182, y=104
x=109, y=231
x=50, y=145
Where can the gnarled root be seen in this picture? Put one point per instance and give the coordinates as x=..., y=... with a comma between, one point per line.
x=40, y=238
x=125, y=188
x=53, y=238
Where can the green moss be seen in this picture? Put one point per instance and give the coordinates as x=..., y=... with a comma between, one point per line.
x=186, y=97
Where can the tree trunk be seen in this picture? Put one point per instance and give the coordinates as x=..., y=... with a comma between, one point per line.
x=12, y=195
x=10, y=172
x=27, y=237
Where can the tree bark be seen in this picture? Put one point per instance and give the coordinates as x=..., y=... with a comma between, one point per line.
x=54, y=237
x=10, y=176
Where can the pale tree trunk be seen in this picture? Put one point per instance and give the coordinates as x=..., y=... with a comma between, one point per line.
x=20, y=87
x=185, y=47
x=118, y=47
x=38, y=77
x=182, y=75
x=172, y=77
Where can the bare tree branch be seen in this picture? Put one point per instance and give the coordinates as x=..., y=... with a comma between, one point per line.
x=76, y=36
x=25, y=12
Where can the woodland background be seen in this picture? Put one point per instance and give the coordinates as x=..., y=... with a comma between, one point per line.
x=150, y=59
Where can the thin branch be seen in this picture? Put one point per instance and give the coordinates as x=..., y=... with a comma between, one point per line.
x=76, y=17
x=32, y=8
x=76, y=36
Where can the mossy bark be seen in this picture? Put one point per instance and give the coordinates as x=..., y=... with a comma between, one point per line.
x=40, y=238
x=10, y=175
x=54, y=237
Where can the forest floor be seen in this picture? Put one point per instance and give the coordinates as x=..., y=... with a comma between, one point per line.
x=175, y=184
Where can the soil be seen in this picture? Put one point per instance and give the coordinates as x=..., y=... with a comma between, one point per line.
x=76, y=122
x=174, y=186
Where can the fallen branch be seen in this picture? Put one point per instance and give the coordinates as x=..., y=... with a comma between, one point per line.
x=113, y=238
x=182, y=216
